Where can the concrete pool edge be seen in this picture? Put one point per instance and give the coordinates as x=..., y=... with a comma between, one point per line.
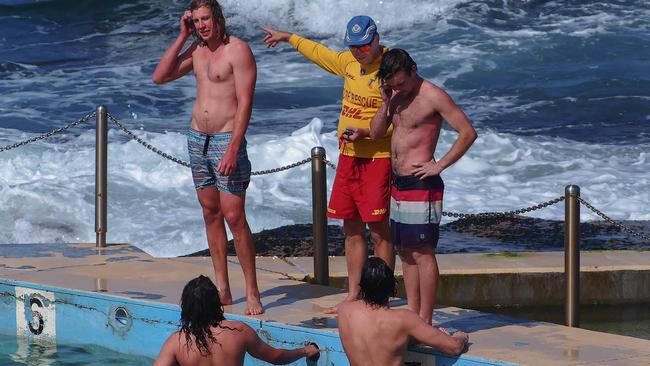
x=124, y=272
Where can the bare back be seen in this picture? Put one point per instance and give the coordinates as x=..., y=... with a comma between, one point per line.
x=380, y=336
x=229, y=349
x=216, y=91
x=372, y=336
x=416, y=128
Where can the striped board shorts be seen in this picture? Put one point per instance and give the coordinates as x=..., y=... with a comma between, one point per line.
x=206, y=152
x=415, y=211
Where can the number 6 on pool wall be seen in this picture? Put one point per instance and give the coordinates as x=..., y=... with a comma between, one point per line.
x=35, y=313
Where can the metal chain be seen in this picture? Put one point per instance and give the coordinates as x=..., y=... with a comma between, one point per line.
x=146, y=144
x=506, y=213
x=49, y=134
x=611, y=221
x=186, y=164
x=329, y=164
x=286, y=167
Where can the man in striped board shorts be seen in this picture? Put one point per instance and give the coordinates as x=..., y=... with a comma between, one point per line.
x=416, y=109
x=225, y=72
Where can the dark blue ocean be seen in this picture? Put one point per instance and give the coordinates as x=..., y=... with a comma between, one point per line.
x=559, y=92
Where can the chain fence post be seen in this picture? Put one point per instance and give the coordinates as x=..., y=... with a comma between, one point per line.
x=101, y=173
x=572, y=255
x=319, y=197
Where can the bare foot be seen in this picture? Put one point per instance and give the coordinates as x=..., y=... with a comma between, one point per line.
x=254, y=306
x=335, y=309
x=225, y=297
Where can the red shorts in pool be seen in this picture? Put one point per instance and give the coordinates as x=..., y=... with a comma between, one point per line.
x=361, y=189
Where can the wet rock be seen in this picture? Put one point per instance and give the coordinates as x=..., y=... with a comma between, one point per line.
x=514, y=233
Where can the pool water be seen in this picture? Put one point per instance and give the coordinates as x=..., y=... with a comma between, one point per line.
x=21, y=351
x=631, y=320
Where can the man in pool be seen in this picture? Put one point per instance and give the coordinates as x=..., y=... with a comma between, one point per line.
x=416, y=109
x=225, y=73
x=207, y=338
x=361, y=187
x=374, y=334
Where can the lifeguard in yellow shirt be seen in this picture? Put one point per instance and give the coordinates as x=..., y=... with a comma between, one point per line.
x=360, y=194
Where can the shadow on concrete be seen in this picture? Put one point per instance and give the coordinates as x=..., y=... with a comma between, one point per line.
x=293, y=293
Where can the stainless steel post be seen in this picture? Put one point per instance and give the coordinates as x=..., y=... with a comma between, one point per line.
x=319, y=198
x=101, y=174
x=572, y=255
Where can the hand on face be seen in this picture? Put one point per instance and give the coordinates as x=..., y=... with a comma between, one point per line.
x=386, y=92
x=185, y=30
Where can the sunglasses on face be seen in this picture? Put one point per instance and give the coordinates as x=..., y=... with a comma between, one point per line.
x=363, y=48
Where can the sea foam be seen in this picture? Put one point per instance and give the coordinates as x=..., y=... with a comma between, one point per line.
x=47, y=188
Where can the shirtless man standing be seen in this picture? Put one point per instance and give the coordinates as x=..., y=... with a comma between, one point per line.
x=207, y=338
x=374, y=334
x=416, y=108
x=225, y=73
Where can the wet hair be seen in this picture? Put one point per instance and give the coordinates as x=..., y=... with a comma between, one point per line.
x=394, y=61
x=377, y=282
x=201, y=309
x=217, y=17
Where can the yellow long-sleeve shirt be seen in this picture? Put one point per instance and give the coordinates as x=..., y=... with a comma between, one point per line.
x=361, y=97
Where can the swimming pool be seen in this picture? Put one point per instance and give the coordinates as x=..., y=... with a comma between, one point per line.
x=64, y=325
x=27, y=351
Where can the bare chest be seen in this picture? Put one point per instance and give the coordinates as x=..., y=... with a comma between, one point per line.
x=213, y=67
x=411, y=114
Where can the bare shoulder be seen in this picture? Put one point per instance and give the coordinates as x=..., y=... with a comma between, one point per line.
x=348, y=307
x=173, y=342
x=344, y=307
x=177, y=335
x=438, y=98
x=406, y=317
x=432, y=90
x=403, y=313
x=237, y=46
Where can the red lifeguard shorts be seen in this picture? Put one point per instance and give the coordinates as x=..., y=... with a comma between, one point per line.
x=361, y=189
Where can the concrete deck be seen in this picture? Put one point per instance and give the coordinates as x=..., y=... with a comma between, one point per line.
x=526, y=278
x=123, y=270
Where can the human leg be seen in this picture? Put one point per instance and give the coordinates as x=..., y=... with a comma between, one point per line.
x=206, y=152
x=380, y=235
x=428, y=274
x=217, y=239
x=411, y=279
x=342, y=206
x=235, y=216
x=356, y=252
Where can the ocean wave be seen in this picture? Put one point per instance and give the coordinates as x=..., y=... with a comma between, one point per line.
x=46, y=189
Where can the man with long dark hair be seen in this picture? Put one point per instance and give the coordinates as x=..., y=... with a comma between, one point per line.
x=206, y=337
x=225, y=73
x=374, y=334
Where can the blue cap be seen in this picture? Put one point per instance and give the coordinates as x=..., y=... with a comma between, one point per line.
x=360, y=30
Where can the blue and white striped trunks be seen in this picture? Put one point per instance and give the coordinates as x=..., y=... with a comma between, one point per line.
x=206, y=152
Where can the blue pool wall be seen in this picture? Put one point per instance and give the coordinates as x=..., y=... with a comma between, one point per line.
x=100, y=319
